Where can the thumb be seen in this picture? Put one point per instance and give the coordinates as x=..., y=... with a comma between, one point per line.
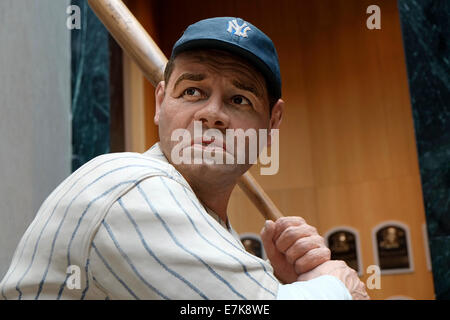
x=267, y=237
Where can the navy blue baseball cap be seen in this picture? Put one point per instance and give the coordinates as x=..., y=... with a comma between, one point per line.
x=238, y=37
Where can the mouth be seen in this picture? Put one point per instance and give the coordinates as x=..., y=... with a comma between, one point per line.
x=209, y=143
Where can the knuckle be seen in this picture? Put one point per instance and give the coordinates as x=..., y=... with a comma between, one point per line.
x=309, y=230
x=290, y=232
x=300, y=266
x=317, y=261
x=296, y=251
x=324, y=257
x=305, y=245
x=319, y=240
x=313, y=230
x=290, y=257
x=283, y=222
x=341, y=264
x=301, y=243
x=327, y=253
x=291, y=229
x=310, y=260
x=313, y=255
x=301, y=220
x=322, y=241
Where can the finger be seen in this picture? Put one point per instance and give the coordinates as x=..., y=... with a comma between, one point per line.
x=302, y=246
x=312, y=259
x=340, y=264
x=285, y=222
x=360, y=293
x=267, y=234
x=355, y=285
x=292, y=234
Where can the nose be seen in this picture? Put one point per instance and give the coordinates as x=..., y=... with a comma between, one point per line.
x=213, y=115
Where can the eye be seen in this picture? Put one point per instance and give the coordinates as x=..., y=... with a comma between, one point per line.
x=192, y=92
x=241, y=100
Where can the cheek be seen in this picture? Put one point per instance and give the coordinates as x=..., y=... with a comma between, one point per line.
x=253, y=118
x=261, y=128
x=171, y=118
x=245, y=123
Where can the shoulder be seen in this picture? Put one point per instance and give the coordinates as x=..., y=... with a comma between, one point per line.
x=131, y=164
x=149, y=180
x=116, y=168
x=96, y=185
x=111, y=161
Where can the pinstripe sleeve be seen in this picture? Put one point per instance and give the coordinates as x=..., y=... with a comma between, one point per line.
x=158, y=242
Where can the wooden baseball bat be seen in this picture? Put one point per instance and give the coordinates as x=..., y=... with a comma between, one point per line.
x=138, y=44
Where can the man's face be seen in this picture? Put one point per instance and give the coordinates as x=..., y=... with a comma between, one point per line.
x=221, y=92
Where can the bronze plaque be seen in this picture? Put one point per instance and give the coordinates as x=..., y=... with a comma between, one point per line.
x=392, y=248
x=253, y=245
x=342, y=244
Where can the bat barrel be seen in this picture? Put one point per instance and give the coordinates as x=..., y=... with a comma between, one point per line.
x=132, y=37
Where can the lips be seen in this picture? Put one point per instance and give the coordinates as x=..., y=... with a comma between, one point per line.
x=209, y=142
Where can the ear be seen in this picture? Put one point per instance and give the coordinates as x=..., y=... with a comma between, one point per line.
x=159, y=97
x=275, y=119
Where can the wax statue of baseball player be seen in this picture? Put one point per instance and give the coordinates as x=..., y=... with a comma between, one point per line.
x=140, y=226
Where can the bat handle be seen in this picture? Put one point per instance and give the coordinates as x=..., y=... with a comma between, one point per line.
x=259, y=198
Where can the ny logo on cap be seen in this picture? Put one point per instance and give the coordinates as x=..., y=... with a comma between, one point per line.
x=240, y=31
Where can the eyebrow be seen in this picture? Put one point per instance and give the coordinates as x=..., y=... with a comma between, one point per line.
x=189, y=76
x=201, y=76
x=242, y=86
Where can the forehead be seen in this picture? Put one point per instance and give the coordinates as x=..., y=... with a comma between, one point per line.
x=221, y=62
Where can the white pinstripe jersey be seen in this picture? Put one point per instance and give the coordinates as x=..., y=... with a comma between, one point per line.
x=135, y=229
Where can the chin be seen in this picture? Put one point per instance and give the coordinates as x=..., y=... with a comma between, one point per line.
x=212, y=172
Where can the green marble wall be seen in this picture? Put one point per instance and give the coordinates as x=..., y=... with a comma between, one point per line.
x=426, y=36
x=90, y=88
